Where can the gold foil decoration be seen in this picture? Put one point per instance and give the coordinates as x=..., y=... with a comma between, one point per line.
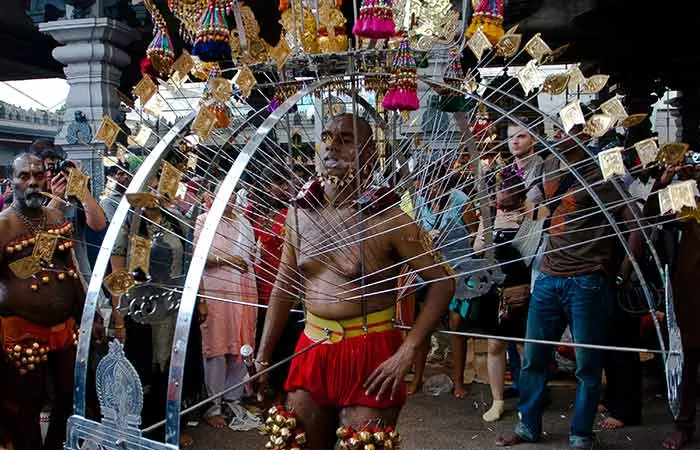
x=25, y=267
x=470, y=85
x=611, y=162
x=145, y=89
x=121, y=152
x=154, y=107
x=139, y=254
x=256, y=50
x=633, y=120
x=479, y=43
x=175, y=82
x=572, y=115
x=119, y=282
x=530, y=77
x=181, y=191
x=647, y=151
x=184, y=64
x=170, y=176
x=537, y=48
x=687, y=213
x=614, y=108
x=245, y=80
x=142, y=200
x=221, y=89
x=678, y=195
x=330, y=18
x=672, y=154
x=595, y=84
x=576, y=77
x=598, y=125
x=77, y=185
x=280, y=53
x=305, y=24
x=45, y=246
x=555, y=84
x=509, y=44
x=556, y=53
x=192, y=160
x=204, y=122
x=108, y=131
x=141, y=138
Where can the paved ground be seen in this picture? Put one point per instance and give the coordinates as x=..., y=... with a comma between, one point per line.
x=446, y=423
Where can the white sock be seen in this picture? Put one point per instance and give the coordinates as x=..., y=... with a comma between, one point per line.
x=495, y=412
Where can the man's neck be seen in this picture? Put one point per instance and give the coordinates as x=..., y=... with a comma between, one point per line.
x=523, y=160
x=23, y=209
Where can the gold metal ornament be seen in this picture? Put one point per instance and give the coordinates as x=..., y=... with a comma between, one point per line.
x=26, y=267
x=598, y=125
x=430, y=21
x=677, y=196
x=204, y=122
x=615, y=108
x=280, y=53
x=555, y=84
x=576, y=77
x=634, y=120
x=687, y=213
x=537, y=48
x=145, y=89
x=611, y=162
x=45, y=246
x=108, y=131
x=595, y=84
x=139, y=254
x=245, y=80
x=221, y=89
x=647, y=151
x=556, y=53
x=509, y=44
x=256, y=49
x=331, y=18
x=141, y=138
x=305, y=24
x=119, y=282
x=77, y=185
x=192, y=160
x=142, y=200
x=170, y=176
x=672, y=154
x=572, y=115
x=184, y=64
x=479, y=43
x=530, y=77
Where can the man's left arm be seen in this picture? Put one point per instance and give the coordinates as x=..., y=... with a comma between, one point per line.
x=94, y=215
x=635, y=240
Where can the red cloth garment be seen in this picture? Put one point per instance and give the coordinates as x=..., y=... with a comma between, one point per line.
x=334, y=373
x=270, y=239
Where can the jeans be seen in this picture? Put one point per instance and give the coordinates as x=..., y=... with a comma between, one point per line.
x=584, y=303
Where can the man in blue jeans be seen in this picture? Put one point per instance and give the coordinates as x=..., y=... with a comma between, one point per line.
x=574, y=288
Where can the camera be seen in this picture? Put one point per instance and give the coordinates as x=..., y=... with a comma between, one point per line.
x=692, y=158
x=60, y=166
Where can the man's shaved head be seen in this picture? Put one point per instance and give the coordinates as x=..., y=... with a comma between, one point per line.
x=340, y=144
x=28, y=179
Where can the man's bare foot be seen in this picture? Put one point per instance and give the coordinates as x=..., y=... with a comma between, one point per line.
x=414, y=386
x=611, y=423
x=186, y=440
x=461, y=391
x=508, y=440
x=216, y=421
x=677, y=440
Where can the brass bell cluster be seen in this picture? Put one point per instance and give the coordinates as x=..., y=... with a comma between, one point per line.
x=27, y=356
x=370, y=437
x=283, y=431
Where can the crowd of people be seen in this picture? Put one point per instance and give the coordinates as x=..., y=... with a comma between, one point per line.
x=283, y=278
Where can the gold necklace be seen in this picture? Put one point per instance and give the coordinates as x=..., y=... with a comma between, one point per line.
x=30, y=223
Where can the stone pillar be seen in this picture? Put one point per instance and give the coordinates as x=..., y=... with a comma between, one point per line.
x=93, y=53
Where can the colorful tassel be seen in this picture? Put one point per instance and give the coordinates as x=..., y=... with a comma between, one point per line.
x=376, y=20
x=453, y=101
x=402, y=94
x=160, y=52
x=212, y=41
x=489, y=17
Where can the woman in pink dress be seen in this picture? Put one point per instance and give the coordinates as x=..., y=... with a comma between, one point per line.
x=228, y=326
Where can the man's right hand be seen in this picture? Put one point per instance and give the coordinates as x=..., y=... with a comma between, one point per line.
x=261, y=382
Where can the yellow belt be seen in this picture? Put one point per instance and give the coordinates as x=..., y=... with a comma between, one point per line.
x=317, y=328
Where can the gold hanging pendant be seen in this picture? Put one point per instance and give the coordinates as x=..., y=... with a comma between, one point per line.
x=204, y=122
x=139, y=254
x=77, y=185
x=634, y=120
x=572, y=115
x=26, y=267
x=479, y=43
x=595, y=84
x=117, y=283
x=611, y=162
x=530, y=77
x=145, y=89
x=45, y=246
x=672, y=154
x=245, y=80
x=647, y=151
x=537, y=48
x=598, y=125
x=555, y=84
x=169, y=179
x=108, y=131
x=184, y=64
x=142, y=200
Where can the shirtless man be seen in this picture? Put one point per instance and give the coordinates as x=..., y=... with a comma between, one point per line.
x=39, y=313
x=357, y=377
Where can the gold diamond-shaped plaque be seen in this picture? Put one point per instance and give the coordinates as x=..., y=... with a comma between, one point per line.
x=45, y=246
x=677, y=196
x=687, y=213
x=77, y=185
x=508, y=46
x=154, y=107
x=145, y=89
x=141, y=138
x=280, y=53
x=672, y=154
x=647, y=150
x=26, y=267
x=634, y=120
x=556, y=53
x=576, y=77
x=108, y=131
x=614, y=108
x=537, y=48
x=598, y=125
x=142, y=200
x=184, y=64
x=479, y=43
x=611, y=162
x=192, y=160
x=175, y=82
x=221, y=89
x=245, y=80
x=572, y=115
x=530, y=77
x=204, y=122
x=595, y=84
x=170, y=176
x=139, y=254
x=119, y=282
x=555, y=84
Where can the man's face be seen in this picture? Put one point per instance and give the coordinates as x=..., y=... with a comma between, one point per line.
x=28, y=180
x=122, y=179
x=338, y=145
x=520, y=141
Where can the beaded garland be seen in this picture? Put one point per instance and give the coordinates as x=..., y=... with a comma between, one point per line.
x=283, y=430
x=369, y=437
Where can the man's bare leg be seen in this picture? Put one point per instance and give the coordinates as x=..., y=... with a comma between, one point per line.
x=22, y=399
x=419, y=367
x=319, y=423
x=359, y=416
x=60, y=365
x=459, y=357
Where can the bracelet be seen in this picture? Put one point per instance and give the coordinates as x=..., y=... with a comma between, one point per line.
x=262, y=363
x=119, y=327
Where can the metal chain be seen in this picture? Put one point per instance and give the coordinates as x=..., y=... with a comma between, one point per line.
x=29, y=223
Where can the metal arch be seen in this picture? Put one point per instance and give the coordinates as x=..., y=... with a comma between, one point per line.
x=588, y=189
x=95, y=287
x=199, y=257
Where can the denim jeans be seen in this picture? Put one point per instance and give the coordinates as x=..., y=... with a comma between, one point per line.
x=584, y=303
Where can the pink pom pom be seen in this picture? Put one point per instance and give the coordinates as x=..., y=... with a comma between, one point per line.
x=389, y=102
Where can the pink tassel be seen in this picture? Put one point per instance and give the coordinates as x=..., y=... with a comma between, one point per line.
x=389, y=102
